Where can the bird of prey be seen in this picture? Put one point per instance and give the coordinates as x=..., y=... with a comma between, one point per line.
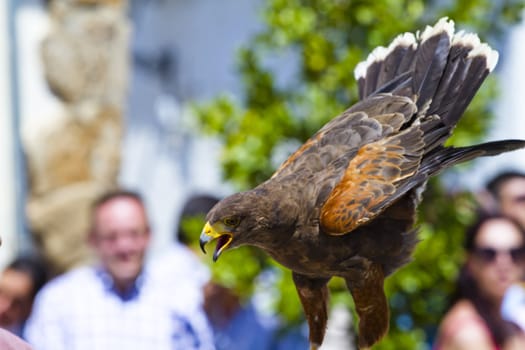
x=344, y=203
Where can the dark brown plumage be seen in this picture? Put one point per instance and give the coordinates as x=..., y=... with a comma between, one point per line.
x=344, y=204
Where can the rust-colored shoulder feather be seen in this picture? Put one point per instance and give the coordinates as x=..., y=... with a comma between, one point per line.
x=370, y=181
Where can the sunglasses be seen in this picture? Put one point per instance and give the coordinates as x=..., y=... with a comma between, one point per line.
x=488, y=255
x=518, y=199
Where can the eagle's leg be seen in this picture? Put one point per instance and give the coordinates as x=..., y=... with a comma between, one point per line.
x=313, y=294
x=371, y=305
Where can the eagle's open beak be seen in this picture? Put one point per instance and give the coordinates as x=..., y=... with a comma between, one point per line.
x=210, y=233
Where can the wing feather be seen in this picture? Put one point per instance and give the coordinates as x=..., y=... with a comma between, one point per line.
x=371, y=181
x=376, y=117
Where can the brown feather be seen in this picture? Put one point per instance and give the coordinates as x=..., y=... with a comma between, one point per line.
x=370, y=180
x=371, y=305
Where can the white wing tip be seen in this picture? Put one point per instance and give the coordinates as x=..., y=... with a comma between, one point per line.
x=443, y=25
x=486, y=51
x=380, y=53
x=377, y=55
x=360, y=70
x=478, y=48
x=408, y=39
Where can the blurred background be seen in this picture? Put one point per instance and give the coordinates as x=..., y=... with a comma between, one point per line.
x=176, y=97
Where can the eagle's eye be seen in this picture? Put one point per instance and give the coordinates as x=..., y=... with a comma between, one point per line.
x=231, y=221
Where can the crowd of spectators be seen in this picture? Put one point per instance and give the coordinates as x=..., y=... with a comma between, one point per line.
x=124, y=300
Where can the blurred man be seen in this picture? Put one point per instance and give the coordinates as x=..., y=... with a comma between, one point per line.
x=19, y=283
x=115, y=304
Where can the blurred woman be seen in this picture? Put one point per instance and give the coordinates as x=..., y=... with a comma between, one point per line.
x=495, y=247
x=19, y=283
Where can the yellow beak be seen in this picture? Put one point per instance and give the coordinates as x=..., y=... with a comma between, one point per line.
x=217, y=231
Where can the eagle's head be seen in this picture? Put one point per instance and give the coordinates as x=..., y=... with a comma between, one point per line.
x=261, y=217
x=232, y=222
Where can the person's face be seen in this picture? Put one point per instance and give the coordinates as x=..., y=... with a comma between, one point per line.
x=498, y=259
x=120, y=238
x=16, y=298
x=512, y=199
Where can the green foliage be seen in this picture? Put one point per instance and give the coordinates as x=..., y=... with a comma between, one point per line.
x=324, y=40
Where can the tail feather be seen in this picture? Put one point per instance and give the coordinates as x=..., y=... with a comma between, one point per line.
x=431, y=60
x=372, y=75
x=462, y=79
x=477, y=72
x=439, y=69
x=450, y=86
x=398, y=61
x=385, y=65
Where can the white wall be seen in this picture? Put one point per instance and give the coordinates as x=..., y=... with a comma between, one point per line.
x=7, y=170
x=39, y=108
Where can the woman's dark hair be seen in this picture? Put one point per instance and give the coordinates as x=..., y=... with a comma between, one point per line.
x=32, y=266
x=472, y=231
x=467, y=287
